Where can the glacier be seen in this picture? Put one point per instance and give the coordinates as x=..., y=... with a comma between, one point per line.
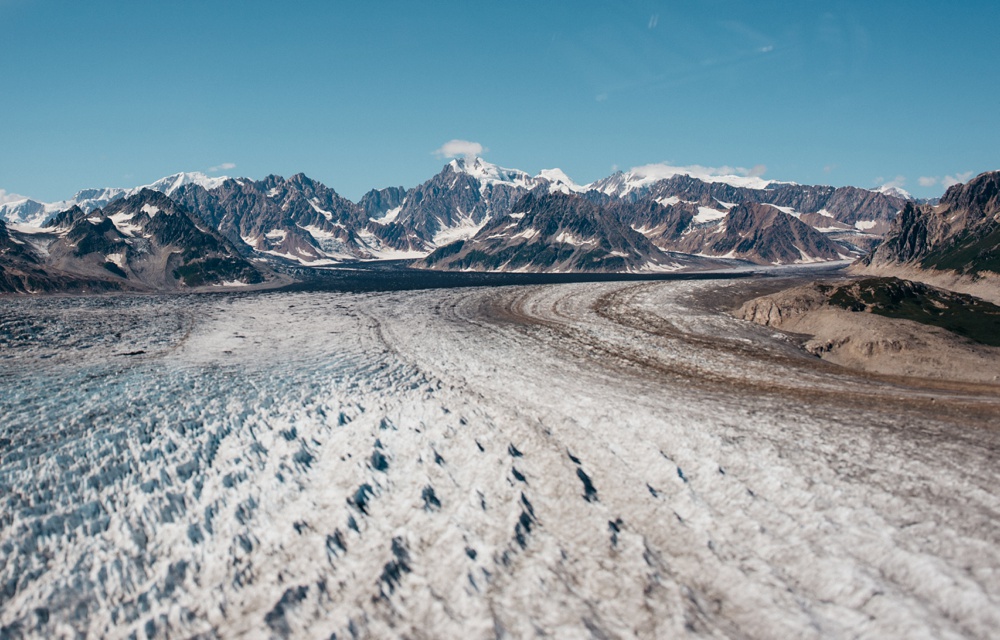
x=606, y=459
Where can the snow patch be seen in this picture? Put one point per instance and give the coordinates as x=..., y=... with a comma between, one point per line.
x=708, y=214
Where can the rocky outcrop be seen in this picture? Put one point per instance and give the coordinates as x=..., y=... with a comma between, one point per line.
x=956, y=240
x=888, y=326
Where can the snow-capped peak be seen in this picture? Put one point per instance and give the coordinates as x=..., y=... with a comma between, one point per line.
x=32, y=213
x=892, y=190
x=622, y=183
x=172, y=183
x=558, y=181
x=488, y=173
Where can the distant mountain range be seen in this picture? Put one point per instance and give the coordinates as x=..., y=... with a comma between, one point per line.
x=649, y=219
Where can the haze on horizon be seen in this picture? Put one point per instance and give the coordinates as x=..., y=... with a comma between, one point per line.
x=359, y=97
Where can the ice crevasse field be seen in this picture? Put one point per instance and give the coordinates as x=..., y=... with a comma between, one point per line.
x=593, y=459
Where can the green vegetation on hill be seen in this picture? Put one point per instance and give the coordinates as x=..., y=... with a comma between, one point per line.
x=962, y=314
x=970, y=254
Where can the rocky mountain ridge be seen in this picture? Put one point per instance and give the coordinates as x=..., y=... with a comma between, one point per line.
x=301, y=221
x=955, y=243
x=145, y=242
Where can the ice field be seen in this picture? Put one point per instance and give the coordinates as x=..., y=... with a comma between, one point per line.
x=605, y=460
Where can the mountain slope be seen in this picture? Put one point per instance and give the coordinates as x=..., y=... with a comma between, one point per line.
x=866, y=210
x=553, y=232
x=23, y=269
x=762, y=234
x=297, y=218
x=144, y=241
x=956, y=242
x=33, y=213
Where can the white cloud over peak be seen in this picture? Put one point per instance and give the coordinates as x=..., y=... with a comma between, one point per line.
x=958, y=178
x=696, y=170
x=463, y=148
x=6, y=197
x=896, y=183
x=225, y=166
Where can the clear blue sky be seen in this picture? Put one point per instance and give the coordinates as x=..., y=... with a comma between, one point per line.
x=359, y=95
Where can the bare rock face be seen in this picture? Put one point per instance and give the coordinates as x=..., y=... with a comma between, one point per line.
x=763, y=234
x=960, y=236
x=553, y=232
x=776, y=310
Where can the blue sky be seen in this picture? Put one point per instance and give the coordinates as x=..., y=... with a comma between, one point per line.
x=360, y=95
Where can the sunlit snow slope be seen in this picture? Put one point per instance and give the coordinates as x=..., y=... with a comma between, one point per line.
x=606, y=460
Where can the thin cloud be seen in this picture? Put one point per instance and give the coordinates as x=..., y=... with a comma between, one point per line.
x=460, y=148
x=225, y=166
x=734, y=175
x=896, y=183
x=6, y=197
x=950, y=181
x=654, y=20
x=927, y=181
x=699, y=170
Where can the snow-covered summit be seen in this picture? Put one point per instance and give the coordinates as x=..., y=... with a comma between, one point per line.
x=172, y=183
x=622, y=183
x=894, y=191
x=34, y=213
x=489, y=173
x=558, y=181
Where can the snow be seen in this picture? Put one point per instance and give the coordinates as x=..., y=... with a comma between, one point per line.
x=390, y=215
x=316, y=232
x=464, y=229
x=491, y=174
x=318, y=209
x=559, y=181
x=378, y=251
x=207, y=484
x=117, y=258
x=252, y=241
x=789, y=210
x=170, y=184
x=123, y=221
x=526, y=234
x=708, y=214
x=276, y=235
x=895, y=191
x=566, y=237
x=865, y=225
x=643, y=176
x=669, y=201
x=30, y=229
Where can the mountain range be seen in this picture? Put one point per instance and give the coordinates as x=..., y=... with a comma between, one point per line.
x=647, y=219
